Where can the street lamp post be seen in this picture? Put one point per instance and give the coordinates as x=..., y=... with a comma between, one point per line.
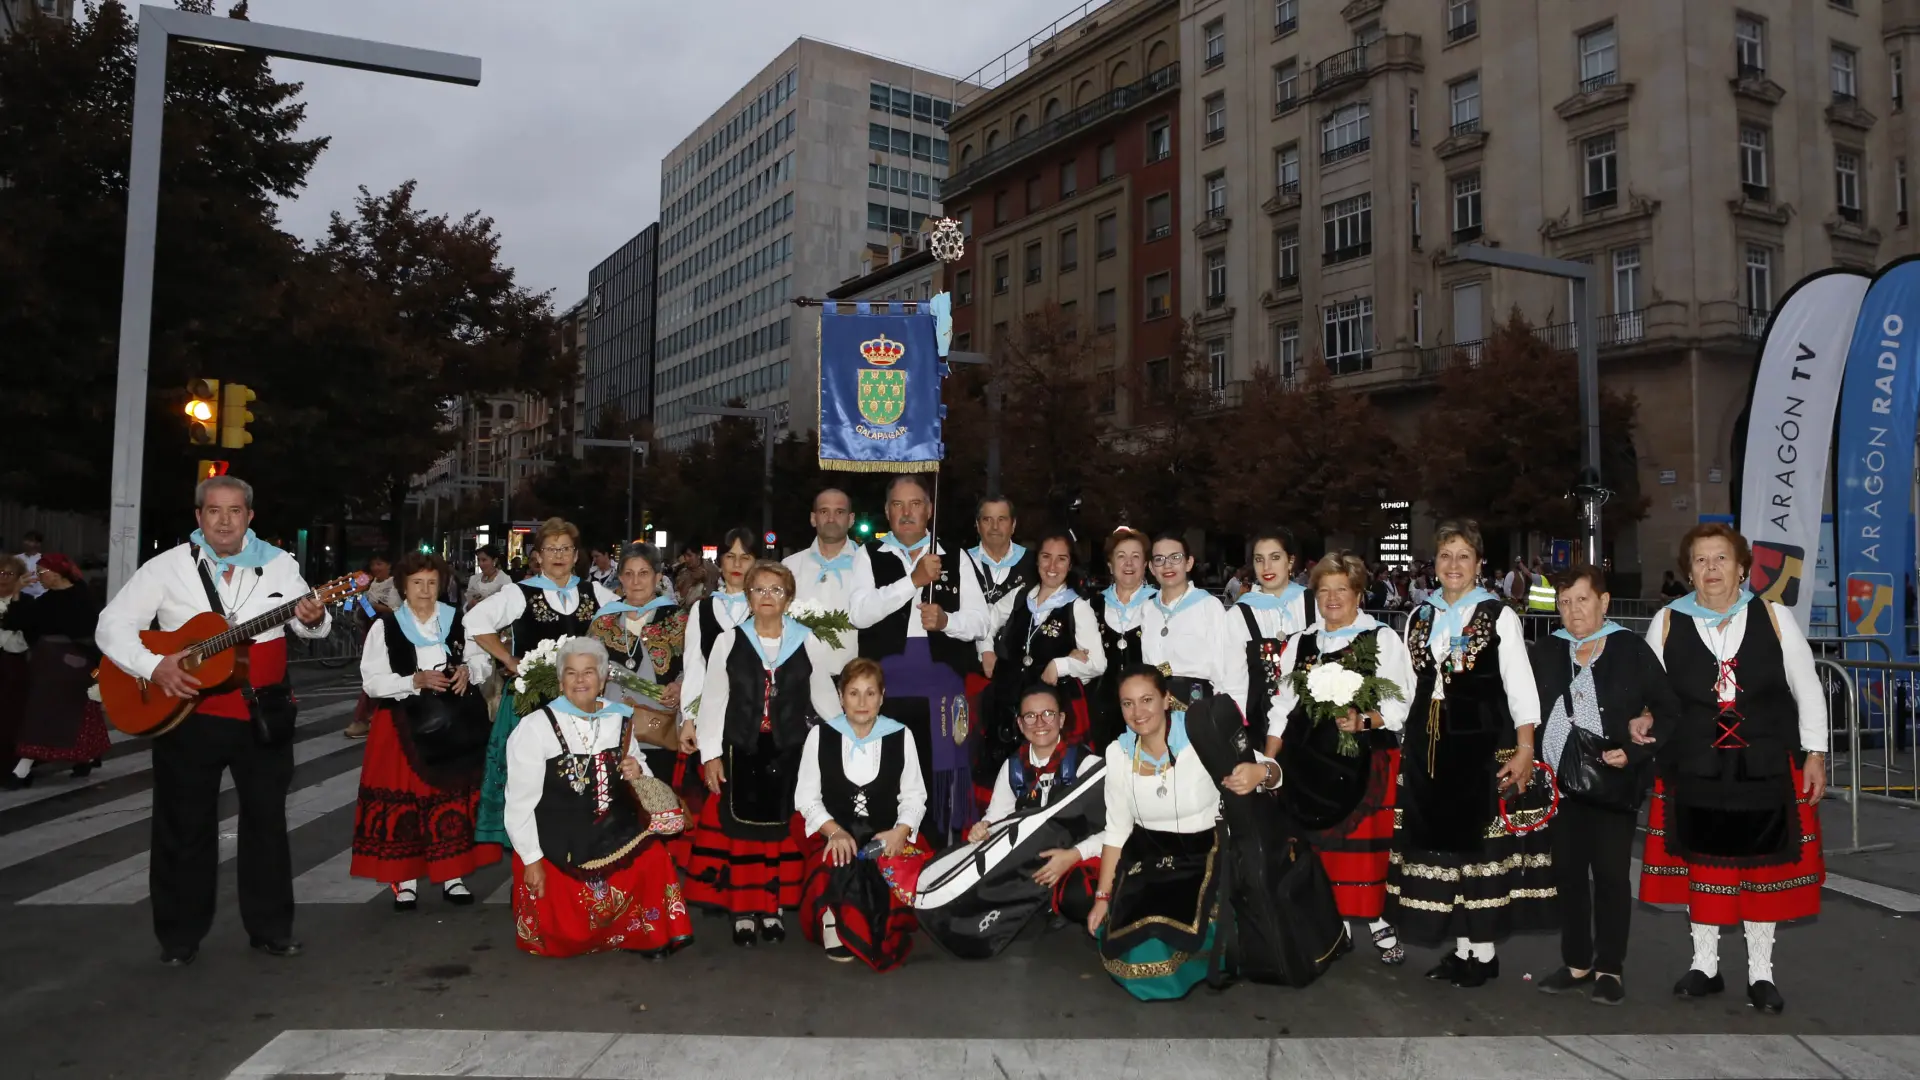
x=1587, y=487
x=770, y=416
x=635, y=448
x=160, y=27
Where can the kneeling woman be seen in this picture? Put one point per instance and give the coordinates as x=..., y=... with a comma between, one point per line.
x=1158, y=900
x=589, y=874
x=1041, y=769
x=859, y=772
x=767, y=686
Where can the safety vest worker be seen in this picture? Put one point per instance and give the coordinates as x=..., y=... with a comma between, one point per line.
x=1540, y=594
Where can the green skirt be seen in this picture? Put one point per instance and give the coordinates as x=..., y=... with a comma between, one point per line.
x=490, y=827
x=1154, y=970
x=1158, y=938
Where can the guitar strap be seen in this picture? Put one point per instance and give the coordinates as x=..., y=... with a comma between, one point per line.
x=213, y=595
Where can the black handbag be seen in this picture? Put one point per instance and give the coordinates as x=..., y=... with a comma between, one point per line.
x=274, y=713
x=447, y=728
x=1584, y=775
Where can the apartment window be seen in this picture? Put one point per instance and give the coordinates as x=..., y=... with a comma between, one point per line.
x=1846, y=181
x=1000, y=274
x=1286, y=350
x=1900, y=190
x=1216, y=278
x=1345, y=132
x=1466, y=207
x=1069, y=249
x=1286, y=169
x=1463, y=19
x=1033, y=262
x=1106, y=309
x=1033, y=194
x=1413, y=117
x=1159, y=216
x=1159, y=140
x=1106, y=235
x=1216, y=117
x=1463, y=100
x=1286, y=16
x=1368, y=33
x=1069, y=178
x=1286, y=85
x=1626, y=280
x=1286, y=257
x=1001, y=212
x=1215, y=53
x=1104, y=389
x=1844, y=65
x=1106, y=167
x=1217, y=364
x=1348, y=228
x=963, y=288
x=1415, y=215
x=1750, y=45
x=1070, y=319
x=1419, y=319
x=1217, y=195
x=1602, y=171
x=1599, y=60
x=1159, y=296
x=1759, y=281
x=1898, y=70
x=1159, y=375
x=1753, y=162
x=1349, y=334
x=966, y=221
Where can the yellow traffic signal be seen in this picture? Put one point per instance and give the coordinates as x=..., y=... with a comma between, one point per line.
x=203, y=411
x=210, y=469
x=234, y=416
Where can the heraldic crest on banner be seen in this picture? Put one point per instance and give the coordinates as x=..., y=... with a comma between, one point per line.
x=883, y=387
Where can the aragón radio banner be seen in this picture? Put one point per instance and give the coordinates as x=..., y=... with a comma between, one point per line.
x=1873, y=465
x=880, y=375
x=1790, y=433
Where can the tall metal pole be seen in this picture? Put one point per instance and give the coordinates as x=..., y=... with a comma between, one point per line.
x=1587, y=350
x=633, y=451
x=766, y=482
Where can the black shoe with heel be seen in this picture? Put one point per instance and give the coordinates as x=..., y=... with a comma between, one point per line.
x=772, y=930
x=1765, y=996
x=1698, y=984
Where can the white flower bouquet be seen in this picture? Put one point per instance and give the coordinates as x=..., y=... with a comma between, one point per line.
x=1331, y=687
x=825, y=622
x=539, y=680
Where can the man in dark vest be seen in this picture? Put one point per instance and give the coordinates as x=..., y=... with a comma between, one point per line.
x=920, y=613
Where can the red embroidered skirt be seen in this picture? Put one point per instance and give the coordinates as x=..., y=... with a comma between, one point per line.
x=871, y=901
x=638, y=908
x=404, y=827
x=744, y=877
x=1073, y=893
x=1355, y=852
x=1725, y=895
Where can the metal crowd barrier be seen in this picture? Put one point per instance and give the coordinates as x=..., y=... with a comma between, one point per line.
x=1883, y=704
x=338, y=649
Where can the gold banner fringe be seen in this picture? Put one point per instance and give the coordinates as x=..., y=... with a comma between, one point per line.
x=836, y=465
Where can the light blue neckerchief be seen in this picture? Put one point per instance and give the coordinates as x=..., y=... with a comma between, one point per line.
x=837, y=566
x=1014, y=554
x=1176, y=742
x=547, y=584
x=1452, y=618
x=1690, y=605
x=1327, y=641
x=253, y=552
x=621, y=607
x=443, y=621
x=607, y=708
x=1140, y=596
x=737, y=605
x=892, y=543
x=1609, y=627
x=1194, y=595
x=1061, y=598
x=793, y=634
x=883, y=726
x=1265, y=601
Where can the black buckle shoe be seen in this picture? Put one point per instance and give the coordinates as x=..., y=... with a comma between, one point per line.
x=1448, y=969
x=1608, y=990
x=1765, y=996
x=1698, y=984
x=463, y=898
x=179, y=955
x=772, y=930
x=1475, y=973
x=1564, y=980
x=743, y=932
x=282, y=947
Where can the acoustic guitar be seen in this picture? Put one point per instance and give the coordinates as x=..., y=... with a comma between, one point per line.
x=216, y=655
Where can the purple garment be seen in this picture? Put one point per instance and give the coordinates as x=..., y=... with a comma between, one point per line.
x=930, y=698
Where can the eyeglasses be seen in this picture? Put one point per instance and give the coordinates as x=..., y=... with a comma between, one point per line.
x=568, y=550
x=1044, y=714
x=9, y=573
x=1167, y=560
x=772, y=592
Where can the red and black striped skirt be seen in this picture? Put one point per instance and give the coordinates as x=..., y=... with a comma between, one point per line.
x=1722, y=895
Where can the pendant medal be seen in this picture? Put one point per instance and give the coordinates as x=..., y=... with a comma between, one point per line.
x=1163, y=631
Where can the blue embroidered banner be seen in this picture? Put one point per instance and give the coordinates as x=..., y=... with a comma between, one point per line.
x=880, y=376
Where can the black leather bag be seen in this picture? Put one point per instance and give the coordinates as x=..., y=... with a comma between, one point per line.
x=274, y=713
x=447, y=729
x=1582, y=774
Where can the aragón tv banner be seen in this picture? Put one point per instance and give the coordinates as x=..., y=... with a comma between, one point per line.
x=1873, y=461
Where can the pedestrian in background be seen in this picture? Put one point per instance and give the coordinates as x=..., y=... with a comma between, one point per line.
x=13, y=658
x=59, y=722
x=30, y=542
x=487, y=578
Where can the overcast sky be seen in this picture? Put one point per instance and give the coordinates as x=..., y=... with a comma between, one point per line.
x=579, y=100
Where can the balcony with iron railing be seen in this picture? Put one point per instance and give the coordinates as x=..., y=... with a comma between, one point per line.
x=1351, y=149
x=1350, y=67
x=1465, y=127
x=1107, y=106
x=1600, y=200
x=1612, y=331
x=1441, y=357
x=1463, y=31
x=1600, y=81
x=1344, y=66
x=1753, y=322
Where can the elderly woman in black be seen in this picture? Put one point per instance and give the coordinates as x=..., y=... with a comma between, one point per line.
x=1595, y=685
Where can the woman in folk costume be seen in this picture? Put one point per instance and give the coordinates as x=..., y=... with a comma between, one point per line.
x=716, y=613
x=1458, y=877
x=1051, y=637
x=59, y=722
x=862, y=795
x=419, y=795
x=1264, y=617
x=646, y=633
x=13, y=656
x=1121, y=609
x=1155, y=910
x=767, y=686
x=549, y=604
x=589, y=872
x=1734, y=831
x=1187, y=634
x=1344, y=798
x=1042, y=768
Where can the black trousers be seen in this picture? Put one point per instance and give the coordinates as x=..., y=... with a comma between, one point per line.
x=1596, y=841
x=187, y=763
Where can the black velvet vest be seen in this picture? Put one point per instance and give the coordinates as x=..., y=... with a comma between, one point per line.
x=1023, y=573
x=1738, y=759
x=880, y=797
x=888, y=637
x=792, y=707
x=1263, y=670
x=540, y=623
x=1022, y=656
x=404, y=657
x=573, y=836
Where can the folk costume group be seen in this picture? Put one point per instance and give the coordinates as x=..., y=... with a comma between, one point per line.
x=1143, y=760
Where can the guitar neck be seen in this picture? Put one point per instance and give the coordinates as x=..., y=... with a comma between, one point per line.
x=248, y=630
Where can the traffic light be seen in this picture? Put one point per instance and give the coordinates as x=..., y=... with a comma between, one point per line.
x=210, y=469
x=234, y=416
x=864, y=527
x=203, y=411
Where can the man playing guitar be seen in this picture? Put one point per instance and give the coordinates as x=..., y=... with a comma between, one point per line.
x=248, y=731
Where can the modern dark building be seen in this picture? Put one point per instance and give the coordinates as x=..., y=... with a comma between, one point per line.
x=620, y=331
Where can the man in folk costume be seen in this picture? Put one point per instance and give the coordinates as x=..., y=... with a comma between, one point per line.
x=823, y=573
x=920, y=613
x=224, y=567
x=1002, y=568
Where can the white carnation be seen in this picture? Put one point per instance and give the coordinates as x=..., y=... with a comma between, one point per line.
x=519, y=686
x=805, y=609
x=1333, y=684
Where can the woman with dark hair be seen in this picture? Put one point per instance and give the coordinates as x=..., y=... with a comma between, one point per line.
x=1344, y=798
x=1121, y=609
x=419, y=797
x=1458, y=875
x=1265, y=616
x=488, y=578
x=646, y=633
x=1595, y=682
x=60, y=722
x=1734, y=830
x=1157, y=903
x=1051, y=638
x=1187, y=634
x=712, y=615
x=1042, y=768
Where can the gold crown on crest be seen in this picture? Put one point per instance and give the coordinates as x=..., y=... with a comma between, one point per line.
x=882, y=351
